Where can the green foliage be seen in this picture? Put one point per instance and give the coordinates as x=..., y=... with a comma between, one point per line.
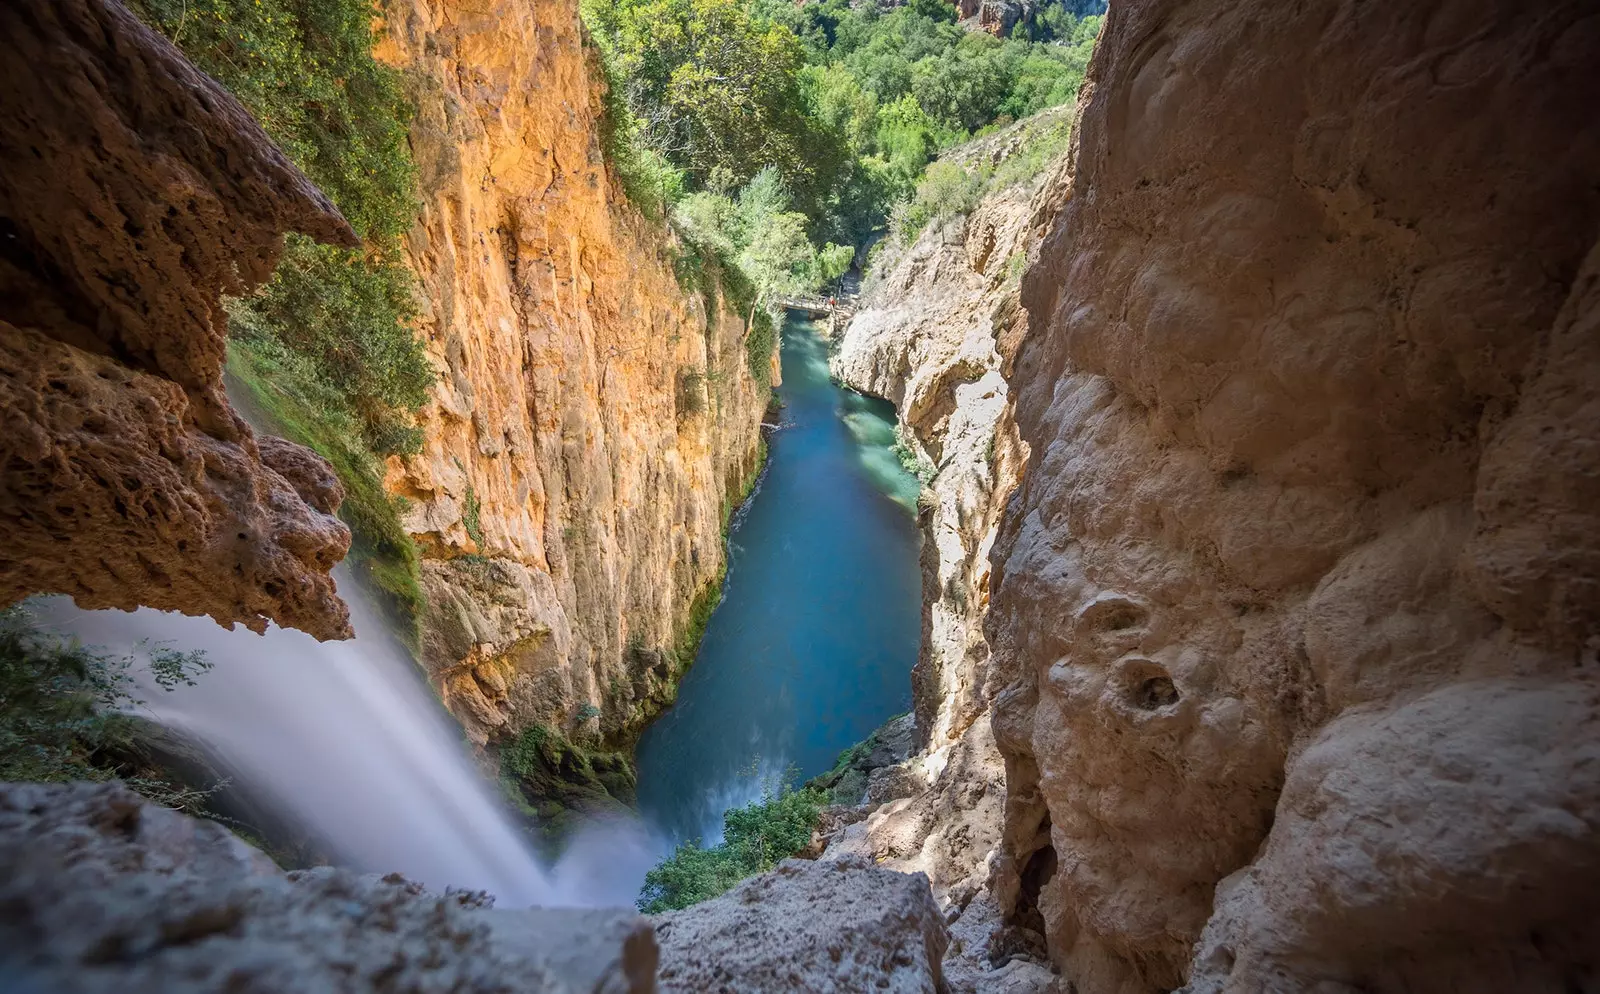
x=946, y=190
x=714, y=91
x=755, y=839
x=62, y=709
x=846, y=103
x=345, y=320
x=553, y=782
x=326, y=348
x=472, y=516
x=911, y=457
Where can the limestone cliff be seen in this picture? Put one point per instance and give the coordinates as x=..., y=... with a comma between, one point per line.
x=592, y=422
x=938, y=327
x=1294, y=614
x=134, y=193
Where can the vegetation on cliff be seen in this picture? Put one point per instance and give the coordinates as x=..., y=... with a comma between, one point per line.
x=553, y=782
x=63, y=711
x=326, y=349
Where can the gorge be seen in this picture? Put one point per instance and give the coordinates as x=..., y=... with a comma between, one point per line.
x=812, y=645
x=1256, y=392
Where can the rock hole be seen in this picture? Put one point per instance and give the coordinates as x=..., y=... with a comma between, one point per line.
x=1156, y=692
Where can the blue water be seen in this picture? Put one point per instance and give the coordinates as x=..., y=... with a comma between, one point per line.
x=813, y=643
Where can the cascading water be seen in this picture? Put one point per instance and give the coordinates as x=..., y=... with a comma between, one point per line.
x=346, y=737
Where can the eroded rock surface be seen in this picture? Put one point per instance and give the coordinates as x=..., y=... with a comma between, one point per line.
x=134, y=193
x=101, y=891
x=1294, y=620
x=829, y=928
x=591, y=420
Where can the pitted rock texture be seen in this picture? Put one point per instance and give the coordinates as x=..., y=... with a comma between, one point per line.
x=820, y=928
x=101, y=891
x=592, y=420
x=134, y=193
x=1294, y=614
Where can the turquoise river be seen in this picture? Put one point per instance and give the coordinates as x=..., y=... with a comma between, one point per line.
x=812, y=645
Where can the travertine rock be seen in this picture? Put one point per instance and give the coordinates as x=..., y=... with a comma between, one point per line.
x=591, y=420
x=821, y=928
x=101, y=891
x=1295, y=610
x=134, y=193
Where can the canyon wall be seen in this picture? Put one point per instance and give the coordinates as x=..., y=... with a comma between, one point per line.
x=937, y=330
x=592, y=422
x=134, y=193
x=1294, y=614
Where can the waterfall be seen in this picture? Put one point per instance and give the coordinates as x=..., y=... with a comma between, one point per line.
x=347, y=738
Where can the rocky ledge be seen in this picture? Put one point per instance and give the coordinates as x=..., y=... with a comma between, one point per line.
x=135, y=193
x=101, y=891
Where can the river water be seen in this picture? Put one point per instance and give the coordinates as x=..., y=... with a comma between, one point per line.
x=813, y=643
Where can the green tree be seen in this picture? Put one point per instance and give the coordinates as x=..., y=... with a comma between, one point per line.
x=755, y=838
x=712, y=89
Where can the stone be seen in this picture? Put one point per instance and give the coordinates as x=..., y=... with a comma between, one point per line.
x=561, y=334
x=101, y=891
x=135, y=193
x=839, y=927
x=1292, y=624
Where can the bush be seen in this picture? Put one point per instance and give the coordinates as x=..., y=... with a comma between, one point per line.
x=61, y=710
x=946, y=191
x=755, y=839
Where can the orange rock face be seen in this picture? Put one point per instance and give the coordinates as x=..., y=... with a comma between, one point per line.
x=592, y=420
x=1295, y=611
x=134, y=193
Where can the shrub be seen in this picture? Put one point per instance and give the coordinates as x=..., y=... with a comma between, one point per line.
x=690, y=393
x=755, y=839
x=61, y=709
x=472, y=516
x=945, y=191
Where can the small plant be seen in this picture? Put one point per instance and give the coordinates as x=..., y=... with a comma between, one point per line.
x=758, y=345
x=472, y=516
x=585, y=713
x=1016, y=263
x=911, y=458
x=63, y=709
x=690, y=395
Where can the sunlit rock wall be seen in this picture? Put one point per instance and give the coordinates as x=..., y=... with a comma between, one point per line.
x=591, y=421
x=1295, y=610
x=938, y=327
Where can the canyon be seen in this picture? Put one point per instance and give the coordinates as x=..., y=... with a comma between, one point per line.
x=592, y=423
x=1260, y=559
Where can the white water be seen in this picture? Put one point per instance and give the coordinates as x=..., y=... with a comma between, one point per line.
x=348, y=740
